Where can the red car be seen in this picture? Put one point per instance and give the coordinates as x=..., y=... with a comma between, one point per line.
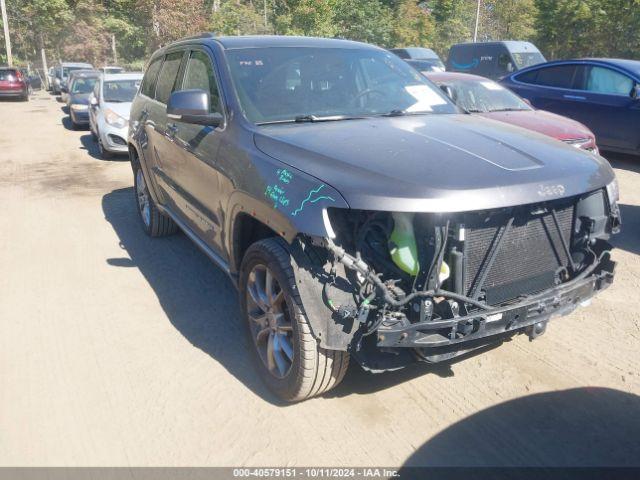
x=482, y=96
x=13, y=84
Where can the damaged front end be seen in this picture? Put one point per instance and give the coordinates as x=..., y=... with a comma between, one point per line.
x=395, y=288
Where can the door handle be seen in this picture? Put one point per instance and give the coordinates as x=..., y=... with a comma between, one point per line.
x=574, y=97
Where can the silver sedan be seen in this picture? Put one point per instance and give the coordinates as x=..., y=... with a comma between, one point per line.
x=109, y=107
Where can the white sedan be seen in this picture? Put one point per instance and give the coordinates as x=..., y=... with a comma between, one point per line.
x=109, y=108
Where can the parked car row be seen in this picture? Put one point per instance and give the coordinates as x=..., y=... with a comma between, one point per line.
x=603, y=95
x=362, y=214
x=100, y=100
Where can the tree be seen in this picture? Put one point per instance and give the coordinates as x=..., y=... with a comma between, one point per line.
x=237, y=18
x=306, y=17
x=37, y=24
x=168, y=20
x=508, y=19
x=454, y=20
x=365, y=21
x=413, y=25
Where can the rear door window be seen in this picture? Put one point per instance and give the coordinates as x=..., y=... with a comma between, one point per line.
x=168, y=75
x=560, y=76
x=149, y=81
x=199, y=75
x=608, y=82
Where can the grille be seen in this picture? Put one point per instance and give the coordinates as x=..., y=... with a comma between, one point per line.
x=529, y=257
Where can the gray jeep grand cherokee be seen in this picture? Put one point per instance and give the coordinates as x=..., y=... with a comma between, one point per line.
x=359, y=212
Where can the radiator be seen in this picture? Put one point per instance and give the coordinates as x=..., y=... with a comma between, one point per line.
x=529, y=257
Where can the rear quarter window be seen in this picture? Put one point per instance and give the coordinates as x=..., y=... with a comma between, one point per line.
x=149, y=80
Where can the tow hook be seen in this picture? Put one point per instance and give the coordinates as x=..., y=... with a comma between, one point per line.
x=535, y=330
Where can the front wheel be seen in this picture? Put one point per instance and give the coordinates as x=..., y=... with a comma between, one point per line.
x=104, y=153
x=288, y=357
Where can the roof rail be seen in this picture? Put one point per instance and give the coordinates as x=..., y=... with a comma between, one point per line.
x=198, y=36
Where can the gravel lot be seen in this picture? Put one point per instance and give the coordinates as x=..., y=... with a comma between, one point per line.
x=120, y=350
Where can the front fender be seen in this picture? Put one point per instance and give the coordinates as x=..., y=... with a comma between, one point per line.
x=287, y=200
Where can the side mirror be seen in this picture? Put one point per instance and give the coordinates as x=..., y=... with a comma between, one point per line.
x=447, y=90
x=93, y=101
x=635, y=92
x=192, y=106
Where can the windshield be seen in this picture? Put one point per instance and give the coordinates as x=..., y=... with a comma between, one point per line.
x=421, y=53
x=527, y=59
x=120, y=90
x=284, y=83
x=113, y=70
x=484, y=96
x=434, y=65
x=83, y=85
x=67, y=70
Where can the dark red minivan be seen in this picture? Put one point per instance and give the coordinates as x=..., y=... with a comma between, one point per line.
x=13, y=84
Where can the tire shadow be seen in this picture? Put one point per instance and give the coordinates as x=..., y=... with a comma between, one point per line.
x=67, y=123
x=582, y=427
x=629, y=237
x=623, y=161
x=91, y=146
x=197, y=297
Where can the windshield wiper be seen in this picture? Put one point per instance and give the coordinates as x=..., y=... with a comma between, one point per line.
x=312, y=119
x=508, y=109
x=403, y=113
x=328, y=118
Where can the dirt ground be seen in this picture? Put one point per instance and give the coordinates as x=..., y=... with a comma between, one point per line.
x=120, y=350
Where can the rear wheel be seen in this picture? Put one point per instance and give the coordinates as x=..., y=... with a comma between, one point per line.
x=155, y=223
x=288, y=357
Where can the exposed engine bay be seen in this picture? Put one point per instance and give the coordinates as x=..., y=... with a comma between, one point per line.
x=401, y=287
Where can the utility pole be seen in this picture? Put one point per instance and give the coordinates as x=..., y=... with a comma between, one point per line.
x=475, y=30
x=45, y=68
x=113, y=49
x=7, y=39
x=265, y=14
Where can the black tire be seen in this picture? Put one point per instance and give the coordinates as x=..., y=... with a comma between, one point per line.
x=156, y=224
x=313, y=370
x=104, y=153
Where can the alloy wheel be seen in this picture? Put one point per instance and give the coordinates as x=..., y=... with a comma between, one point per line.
x=143, y=198
x=270, y=321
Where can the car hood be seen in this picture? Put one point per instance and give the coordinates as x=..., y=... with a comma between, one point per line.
x=434, y=163
x=547, y=123
x=121, y=108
